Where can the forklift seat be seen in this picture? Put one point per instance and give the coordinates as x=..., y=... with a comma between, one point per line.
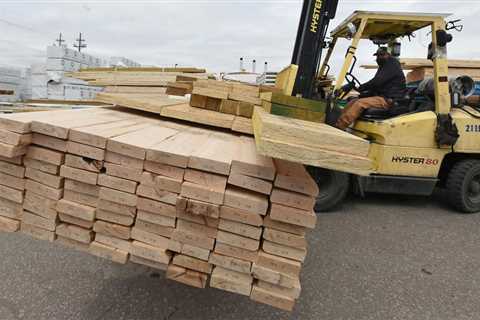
x=399, y=107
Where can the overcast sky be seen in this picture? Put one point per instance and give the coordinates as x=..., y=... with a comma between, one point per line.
x=212, y=34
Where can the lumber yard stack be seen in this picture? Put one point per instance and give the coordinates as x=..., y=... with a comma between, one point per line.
x=202, y=205
x=143, y=80
x=226, y=97
x=240, y=100
x=420, y=69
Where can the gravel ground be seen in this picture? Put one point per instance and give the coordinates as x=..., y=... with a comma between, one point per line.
x=377, y=258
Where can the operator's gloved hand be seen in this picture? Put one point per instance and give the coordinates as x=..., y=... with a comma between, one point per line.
x=348, y=87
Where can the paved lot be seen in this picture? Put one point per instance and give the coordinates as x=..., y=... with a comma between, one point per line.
x=379, y=258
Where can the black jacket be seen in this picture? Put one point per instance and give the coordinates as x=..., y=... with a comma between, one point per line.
x=389, y=81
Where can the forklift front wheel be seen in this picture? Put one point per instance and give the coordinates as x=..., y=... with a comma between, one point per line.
x=463, y=186
x=333, y=185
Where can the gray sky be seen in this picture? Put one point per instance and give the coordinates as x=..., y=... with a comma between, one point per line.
x=211, y=34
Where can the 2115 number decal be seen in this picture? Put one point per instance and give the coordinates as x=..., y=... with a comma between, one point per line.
x=472, y=128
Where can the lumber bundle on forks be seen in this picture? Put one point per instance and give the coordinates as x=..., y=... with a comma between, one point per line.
x=202, y=205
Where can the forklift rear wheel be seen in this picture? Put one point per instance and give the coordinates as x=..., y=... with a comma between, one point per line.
x=333, y=186
x=463, y=186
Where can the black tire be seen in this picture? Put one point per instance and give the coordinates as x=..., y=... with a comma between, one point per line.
x=463, y=186
x=333, y=185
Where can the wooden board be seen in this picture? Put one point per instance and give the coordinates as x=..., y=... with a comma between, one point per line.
x=282, y=226
x=243, y=125
x=34, y=187
x=156, y=219
x=186, y=276
x=12, y=169
x=135, y=90
x=107, y=252
x=195, y=207
x=192, y=263
x=123, y=160
x=156, y=207
x=292, y=293
x=49, y=142
x=292, y=199
x=230, y=263
x=274, y=299
x=10, y=209
x=284, y=251
x=238, y=241
x=161, y=183
x=112, y=230
x=98, y=134
x=148, y=263
x=38, y=221
x=154, y=228
x=150, y=238
x=76, y=210
x=274, y=277
x=231, y=281
x=242, y=216
x=50, y=180
x=72, y=244
x=314, y=135
x=114, y=217
x=79, y=175
x=75, y=221
x=75, y=233
x=294, y=177
x=134, y=144
x=246, y=200
x=9, y=225
x=37, y=233
x=240, y=229
x=196, y=115
x=149, y=252
x=81, y=198
x=176, y=150
x=310, y=143
x=236, y=252
x=120, y=197
x=113, y=242
x=250, y=163
x=279, y=264
x=250, y=183
x=148, y=102
x=216, y=155
x=83, y=163
x=293, y=216
x=117, y=183
x=12, y=138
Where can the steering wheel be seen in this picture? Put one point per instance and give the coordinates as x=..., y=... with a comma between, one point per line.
x=353, y=81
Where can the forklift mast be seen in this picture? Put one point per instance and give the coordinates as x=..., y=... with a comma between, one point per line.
x=312, y=31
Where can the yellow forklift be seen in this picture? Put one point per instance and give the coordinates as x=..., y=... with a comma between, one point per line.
x=426, y=140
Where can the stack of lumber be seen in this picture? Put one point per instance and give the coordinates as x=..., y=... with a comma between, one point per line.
x=200, y=204
x=293, y=107
x=142, y=80
x=310, y=143
x=182, y=86
x=226, y=97
x=178, y=108
x=423, y=68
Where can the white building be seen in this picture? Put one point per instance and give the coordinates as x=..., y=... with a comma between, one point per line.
x=48, y=81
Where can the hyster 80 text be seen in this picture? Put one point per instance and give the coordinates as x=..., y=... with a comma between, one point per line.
x=414, y=160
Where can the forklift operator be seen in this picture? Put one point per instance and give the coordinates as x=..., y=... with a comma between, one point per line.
x=388, y=84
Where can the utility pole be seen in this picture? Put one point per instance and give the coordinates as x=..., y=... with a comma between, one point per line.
x=60, y=40
x=80, y=44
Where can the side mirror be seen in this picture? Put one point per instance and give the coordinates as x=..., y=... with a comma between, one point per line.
x=443, y=38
